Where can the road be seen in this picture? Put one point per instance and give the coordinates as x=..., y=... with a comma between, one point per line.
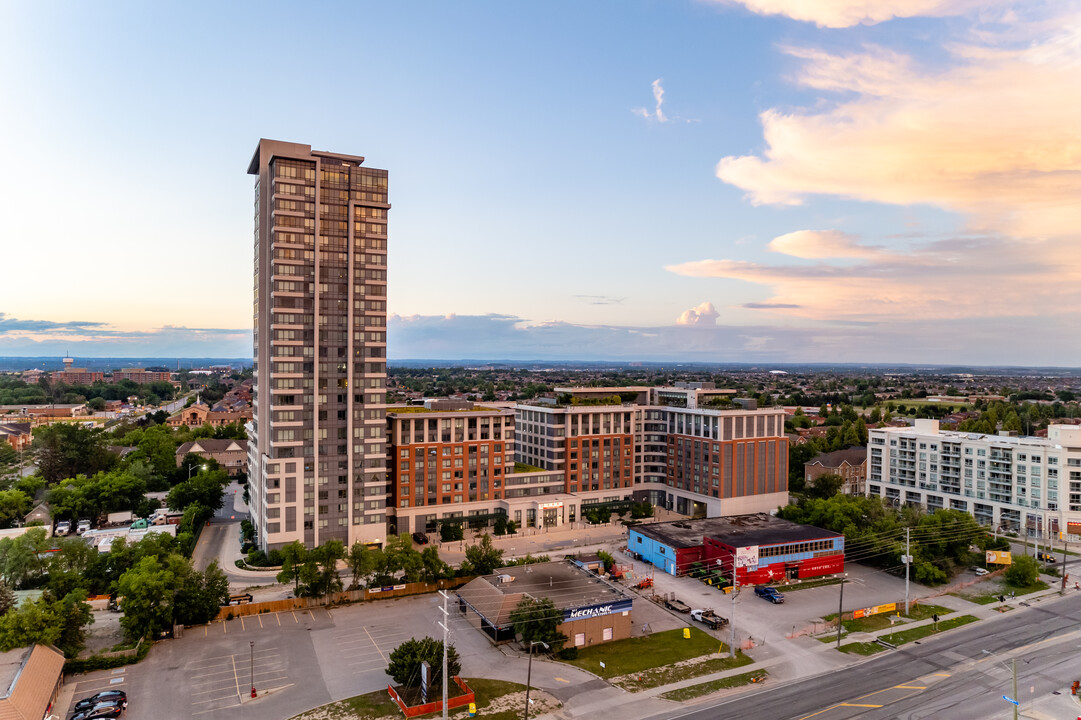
x=947, y=676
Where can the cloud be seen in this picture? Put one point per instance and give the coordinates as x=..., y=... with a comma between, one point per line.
x=601, y=299
x=992, y=135
x=702, y=314
x=963, y=277
x=821, y=244
x=846, y=13
x=910, y=340
x=658, y=96
x=48, y=337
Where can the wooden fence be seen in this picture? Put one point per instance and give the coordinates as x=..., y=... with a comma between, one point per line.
x=467, y=697
x=340, y=598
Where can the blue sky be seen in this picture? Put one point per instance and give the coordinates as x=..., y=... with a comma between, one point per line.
x=836, y=181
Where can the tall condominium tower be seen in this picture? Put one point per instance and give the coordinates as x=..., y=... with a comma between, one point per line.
x=317, y=451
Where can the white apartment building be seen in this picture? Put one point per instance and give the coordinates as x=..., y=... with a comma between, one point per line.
x=1004, y=481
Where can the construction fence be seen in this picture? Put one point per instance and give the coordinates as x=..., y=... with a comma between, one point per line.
x=229, y=612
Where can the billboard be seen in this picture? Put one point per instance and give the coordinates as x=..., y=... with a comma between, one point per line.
x=747, y=556
x=1073, y=528
x=999, y=557
x=875, y=610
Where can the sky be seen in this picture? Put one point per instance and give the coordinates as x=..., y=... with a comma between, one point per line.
x=703, y=180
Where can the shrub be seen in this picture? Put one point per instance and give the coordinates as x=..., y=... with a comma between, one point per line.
x=568, y=653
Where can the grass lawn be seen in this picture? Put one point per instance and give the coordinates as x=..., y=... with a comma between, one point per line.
x=658, y=659
x=992, y=597
x=906, y=636
x=862, y=648
x=693, y=691
x=377, y=705
x=882, y=621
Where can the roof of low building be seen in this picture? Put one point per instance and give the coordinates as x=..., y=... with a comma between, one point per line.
x=737, y=531
x=564, y=583
x=28, y=677
x=209, y=445
x=852, y=455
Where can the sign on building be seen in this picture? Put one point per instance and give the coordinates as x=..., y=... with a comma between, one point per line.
x=747, y=556
x=999, y=557
x=592, y=611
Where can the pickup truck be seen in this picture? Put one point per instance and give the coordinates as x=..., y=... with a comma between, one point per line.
x=677, y=605
x=769, y=594
x=709, y=618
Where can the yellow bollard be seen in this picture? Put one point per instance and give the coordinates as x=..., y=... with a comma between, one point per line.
x=686, y=633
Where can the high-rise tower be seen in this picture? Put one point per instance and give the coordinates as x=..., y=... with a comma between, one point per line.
x=317, y=447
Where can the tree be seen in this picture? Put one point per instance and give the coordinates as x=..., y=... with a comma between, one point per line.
x=449, y=532
x=7, y=598
x=825, y=486
x=147, y=590
x=65, y=450
x=294, y=556
x=206, y=489
x=200, y=597
x=537, y=620
x=14, y=504
x=434, y=567
x=49, y=622
x=1023, y=572
x=361, y=560
x=405, y=661
x=484, y=557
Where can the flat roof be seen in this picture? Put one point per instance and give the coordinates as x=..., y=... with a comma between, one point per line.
x=737, y=531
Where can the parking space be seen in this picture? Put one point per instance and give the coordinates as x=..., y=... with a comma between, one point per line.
x=86, y=685
x=224, y=681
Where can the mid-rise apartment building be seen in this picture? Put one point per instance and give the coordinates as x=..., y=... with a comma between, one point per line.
x=317, y=454
x=141, y=376
x=1020, y=484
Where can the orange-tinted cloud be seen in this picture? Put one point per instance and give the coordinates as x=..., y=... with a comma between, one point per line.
x=701, y=314
x=846, y=13
x=994, y=136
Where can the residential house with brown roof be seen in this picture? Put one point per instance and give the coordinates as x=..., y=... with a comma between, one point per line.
x=232, y=455
x=850, y=464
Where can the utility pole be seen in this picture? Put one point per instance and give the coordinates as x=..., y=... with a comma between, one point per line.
x=732, y=619
x=1016, y=700
x=445, y=624
x=908, y=562
x=840, y=610
x=1065, y=546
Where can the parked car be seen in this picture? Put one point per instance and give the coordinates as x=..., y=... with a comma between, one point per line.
x=420, y=538
x=82, y=527
x=113, y=696
x=770, y=594
x=62, y=528
x=980, y=571
x=102, y=710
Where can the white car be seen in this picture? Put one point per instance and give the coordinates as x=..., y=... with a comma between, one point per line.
x=981, y=571
x=62, y=528
x=82, y=527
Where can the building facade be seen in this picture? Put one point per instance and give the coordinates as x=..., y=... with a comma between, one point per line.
x=141, y=376
x=850, y=464
x=1029, y=485
x=231, y=455
x=317, y=453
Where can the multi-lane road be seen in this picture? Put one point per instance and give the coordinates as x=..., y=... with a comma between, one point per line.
x=961, y=674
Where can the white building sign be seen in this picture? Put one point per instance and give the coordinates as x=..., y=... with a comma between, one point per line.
x=747, y=556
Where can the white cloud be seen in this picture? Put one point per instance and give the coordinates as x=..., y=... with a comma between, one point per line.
x=821, y=244
x=658, y=97
x=701, y=314
x=846, y=13
x=993, y=136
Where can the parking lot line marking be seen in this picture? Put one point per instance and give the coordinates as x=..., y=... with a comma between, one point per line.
x=224, y=629
x=294, y=616
x=260, y=619
x=237, y=679
x=278, y=617
x=328, y=614
x=204, y=712
x=376, y=645
x=242, y=623
x=205, y=628
x=230, y=696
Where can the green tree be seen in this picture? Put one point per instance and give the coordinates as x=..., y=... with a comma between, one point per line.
x=206, y=489
x=65, y=450
x=294, y=557
x=434, y=567
x=405, y=661
x=484, y=557
x=825, y=486
x=14, y=504
x=199, y=598
x=1023, y=572
x=7, y=598
x=537, y=620
x=49, y=622
x=148, y=592
x=362, y=562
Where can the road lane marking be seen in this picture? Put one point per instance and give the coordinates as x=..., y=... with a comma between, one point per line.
x=857, y=705
x=559, y=679
x=376, y=646
x=942, y=675
x=235, y=677
x=911, y=687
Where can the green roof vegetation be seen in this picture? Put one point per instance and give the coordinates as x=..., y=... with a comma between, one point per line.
x=520, y=467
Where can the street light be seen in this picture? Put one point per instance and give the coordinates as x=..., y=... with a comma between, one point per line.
x=252, y=644
x=1013, y=667
x=529, y=672
x=191, y=469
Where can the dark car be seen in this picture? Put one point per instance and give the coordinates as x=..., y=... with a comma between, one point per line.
x=105, y=696
x=420, y=538
x=770, y=594
x=102, y=710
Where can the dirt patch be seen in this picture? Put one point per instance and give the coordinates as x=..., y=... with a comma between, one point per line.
x=104, y=633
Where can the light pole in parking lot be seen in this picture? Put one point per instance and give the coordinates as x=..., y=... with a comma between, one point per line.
x=840, y=611
x=251, y=643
